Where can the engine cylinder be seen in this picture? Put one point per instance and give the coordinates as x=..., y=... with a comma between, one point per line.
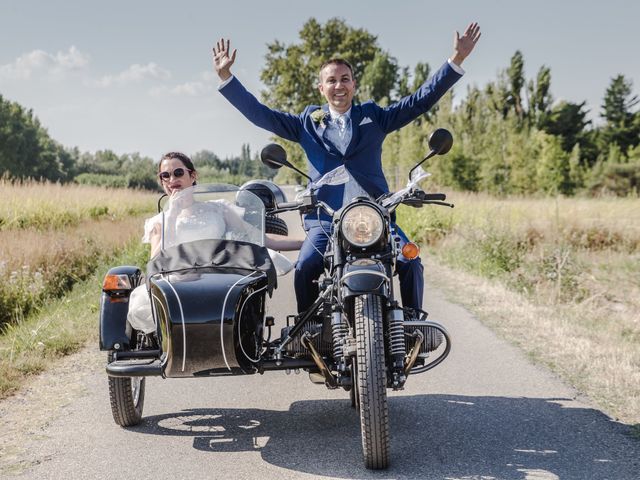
x=432, y=336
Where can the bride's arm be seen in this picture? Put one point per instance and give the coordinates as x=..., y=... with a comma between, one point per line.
x=282, y=243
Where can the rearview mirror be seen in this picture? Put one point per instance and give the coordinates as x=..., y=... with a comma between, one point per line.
x=441, y=141
x=274, y=156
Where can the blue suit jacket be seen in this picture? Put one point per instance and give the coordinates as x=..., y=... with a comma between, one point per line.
x=370, y=125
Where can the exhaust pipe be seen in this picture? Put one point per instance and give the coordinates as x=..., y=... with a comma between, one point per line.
x=415, y=351
x=317, y=358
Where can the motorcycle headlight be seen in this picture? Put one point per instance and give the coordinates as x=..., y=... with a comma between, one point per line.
x=362, y=226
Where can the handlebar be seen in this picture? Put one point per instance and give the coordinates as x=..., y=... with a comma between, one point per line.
x=304, y=205
x=287, y=206
x=440, y=197
x=309, y=203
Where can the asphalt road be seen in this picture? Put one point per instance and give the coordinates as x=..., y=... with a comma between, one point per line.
x=485, y=413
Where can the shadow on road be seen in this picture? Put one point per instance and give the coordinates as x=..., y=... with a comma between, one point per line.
x=433, y=436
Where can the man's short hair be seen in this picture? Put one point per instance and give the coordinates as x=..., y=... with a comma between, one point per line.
x=335, y=61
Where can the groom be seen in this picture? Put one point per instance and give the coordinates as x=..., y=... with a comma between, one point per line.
x=343, y=133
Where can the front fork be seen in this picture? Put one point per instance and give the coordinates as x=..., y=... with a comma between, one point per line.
x=396, y=347
x=343, y=337
x=344, y=347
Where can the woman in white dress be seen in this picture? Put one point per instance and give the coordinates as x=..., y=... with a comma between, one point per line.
x=176, y=172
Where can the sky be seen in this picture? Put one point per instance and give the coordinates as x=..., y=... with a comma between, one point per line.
x=137, y=76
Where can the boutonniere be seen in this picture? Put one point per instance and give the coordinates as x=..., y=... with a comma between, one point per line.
x=319, y=116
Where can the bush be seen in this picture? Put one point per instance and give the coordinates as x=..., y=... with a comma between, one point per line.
x=102, y=180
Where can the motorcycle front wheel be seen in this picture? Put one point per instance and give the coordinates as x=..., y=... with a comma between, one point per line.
x=126, y=395
x=371, y=381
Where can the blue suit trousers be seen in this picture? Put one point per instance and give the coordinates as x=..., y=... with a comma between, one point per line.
x=310, y=267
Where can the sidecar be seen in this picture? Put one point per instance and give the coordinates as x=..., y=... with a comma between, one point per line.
x=200, y=309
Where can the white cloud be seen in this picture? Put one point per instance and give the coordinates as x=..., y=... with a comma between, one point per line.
x=196, y=88
x=134, y=74
x=39, y=63
x=188, y=89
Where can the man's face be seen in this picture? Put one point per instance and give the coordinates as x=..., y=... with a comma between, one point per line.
x=337, y=86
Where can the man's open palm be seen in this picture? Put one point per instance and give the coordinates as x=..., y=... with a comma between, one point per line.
x=463, y=45
x=222, y=61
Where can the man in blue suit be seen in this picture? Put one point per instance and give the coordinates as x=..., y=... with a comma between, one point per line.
x=343, y=133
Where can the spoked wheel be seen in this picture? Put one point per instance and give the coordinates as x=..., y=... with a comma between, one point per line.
x=371, y=381
x=127, y=398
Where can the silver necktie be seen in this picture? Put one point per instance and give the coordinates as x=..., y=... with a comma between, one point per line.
x=343, y=132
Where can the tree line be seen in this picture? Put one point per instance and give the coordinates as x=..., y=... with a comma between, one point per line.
x=511, y=137
x=28, y=151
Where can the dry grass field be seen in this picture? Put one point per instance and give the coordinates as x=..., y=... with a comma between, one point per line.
x=31, y=204
x=52, y=237
x=558, y=276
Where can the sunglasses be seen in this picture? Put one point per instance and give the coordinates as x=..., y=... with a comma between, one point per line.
x=177, y=173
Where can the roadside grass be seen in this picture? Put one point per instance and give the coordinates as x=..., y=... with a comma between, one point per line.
x=561, y=280
x=39, y=265
x=59, y=328
x=52, y=236
x=44, y=205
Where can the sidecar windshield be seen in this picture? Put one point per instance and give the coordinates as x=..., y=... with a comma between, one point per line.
x=212, y=212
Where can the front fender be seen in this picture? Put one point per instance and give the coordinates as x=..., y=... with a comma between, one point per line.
x=114, y=308
x=368, y=276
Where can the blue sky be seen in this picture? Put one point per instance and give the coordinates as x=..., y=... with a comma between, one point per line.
x=136, y=76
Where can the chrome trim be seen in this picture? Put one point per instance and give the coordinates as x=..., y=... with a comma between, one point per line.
x=363, y=272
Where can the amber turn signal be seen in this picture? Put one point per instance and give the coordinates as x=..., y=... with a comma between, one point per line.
x=410, y=250
x=116, y=282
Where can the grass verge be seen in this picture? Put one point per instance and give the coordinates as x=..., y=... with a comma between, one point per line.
x=60, y=327
x=558, y=277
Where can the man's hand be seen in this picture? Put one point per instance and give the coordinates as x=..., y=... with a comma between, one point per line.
x=222, y=61
x=463, y=45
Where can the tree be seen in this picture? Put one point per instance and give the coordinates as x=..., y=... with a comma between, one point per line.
x=553, y=166
x=567, y=120
x=515, y=74
x=622, y=126
x=379, y=78
x=26, y=149
x=540, y=98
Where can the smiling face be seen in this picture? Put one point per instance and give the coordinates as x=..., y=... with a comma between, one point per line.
x=175, y=183
x=337, y=86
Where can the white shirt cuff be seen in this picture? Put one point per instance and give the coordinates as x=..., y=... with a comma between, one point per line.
x=224, y=84
x=457, y=68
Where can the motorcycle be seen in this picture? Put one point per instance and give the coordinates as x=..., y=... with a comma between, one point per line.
x=208, y=288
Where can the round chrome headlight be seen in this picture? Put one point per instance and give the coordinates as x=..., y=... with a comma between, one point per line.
x=362, y=226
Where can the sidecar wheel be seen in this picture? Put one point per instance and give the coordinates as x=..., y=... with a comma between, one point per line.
x=371, y=381
x=273, y=224
x=127, y=399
